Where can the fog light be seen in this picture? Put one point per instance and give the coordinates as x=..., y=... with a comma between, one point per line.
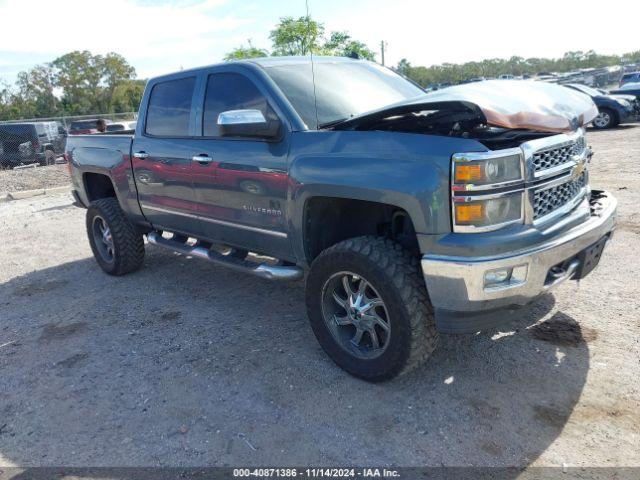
x=502, y=278
x=497, y=277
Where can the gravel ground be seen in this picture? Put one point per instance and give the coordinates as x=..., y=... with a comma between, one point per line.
x=33, y=178
x=183, y=363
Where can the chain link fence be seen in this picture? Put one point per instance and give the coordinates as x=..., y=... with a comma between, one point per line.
x=33, y=142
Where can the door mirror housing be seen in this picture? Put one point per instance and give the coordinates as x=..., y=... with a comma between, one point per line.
x=247, y=123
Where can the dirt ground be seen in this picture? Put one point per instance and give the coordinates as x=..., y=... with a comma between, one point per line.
x=187, y=364
x=33, y=178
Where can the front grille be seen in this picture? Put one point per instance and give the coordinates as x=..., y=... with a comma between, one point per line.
x=557, y=155
x=546, y=201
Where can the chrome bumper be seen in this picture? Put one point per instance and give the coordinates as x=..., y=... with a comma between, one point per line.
x=457, y=284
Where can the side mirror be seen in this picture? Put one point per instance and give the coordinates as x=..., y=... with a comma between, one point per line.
x=247, y=123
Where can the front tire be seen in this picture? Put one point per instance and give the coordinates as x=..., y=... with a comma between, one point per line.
x=369, y=309
x=606, y=119
x=116, y=245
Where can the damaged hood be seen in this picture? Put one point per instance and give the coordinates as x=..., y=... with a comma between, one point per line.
x=513, y=104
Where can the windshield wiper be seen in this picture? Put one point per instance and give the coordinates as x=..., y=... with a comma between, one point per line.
x=333, y=123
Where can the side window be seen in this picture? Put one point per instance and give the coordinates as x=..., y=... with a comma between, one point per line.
x=170, y=108
x=231, y=91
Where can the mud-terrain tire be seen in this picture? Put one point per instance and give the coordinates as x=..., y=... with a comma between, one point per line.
x=392, y=277
x=116, y=244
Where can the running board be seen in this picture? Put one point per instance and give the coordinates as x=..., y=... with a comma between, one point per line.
x=263, y=270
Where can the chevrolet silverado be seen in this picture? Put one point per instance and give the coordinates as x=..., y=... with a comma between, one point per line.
x=408, y=213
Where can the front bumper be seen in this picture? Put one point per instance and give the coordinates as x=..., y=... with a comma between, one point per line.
x=456, y=285
x=627, y=115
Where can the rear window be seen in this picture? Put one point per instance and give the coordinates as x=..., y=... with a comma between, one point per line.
x=169, y=108
x=84, y=125
x=115, y=127
x=25, y=132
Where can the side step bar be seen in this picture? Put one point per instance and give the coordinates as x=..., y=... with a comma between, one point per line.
x=263, y=270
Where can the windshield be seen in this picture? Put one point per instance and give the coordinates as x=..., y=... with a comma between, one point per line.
x=588, y=90
x=343, y=89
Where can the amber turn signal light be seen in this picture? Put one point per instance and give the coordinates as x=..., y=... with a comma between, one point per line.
x=469, y=213
x=469, y=173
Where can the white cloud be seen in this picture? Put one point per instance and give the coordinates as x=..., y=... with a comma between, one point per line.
x=143, y=33
x=434, y=32
x=163, y=36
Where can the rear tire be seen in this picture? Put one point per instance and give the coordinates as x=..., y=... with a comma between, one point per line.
x=398, y=336
x=116, y=244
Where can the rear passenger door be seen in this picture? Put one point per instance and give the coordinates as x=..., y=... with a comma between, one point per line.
x=242, y=188
x=162, y=151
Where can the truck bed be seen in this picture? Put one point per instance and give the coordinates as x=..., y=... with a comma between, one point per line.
x=82, y=145
x=107, y=155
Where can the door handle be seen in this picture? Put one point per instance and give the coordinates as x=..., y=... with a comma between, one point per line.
x=202, y=159
x=141, y=155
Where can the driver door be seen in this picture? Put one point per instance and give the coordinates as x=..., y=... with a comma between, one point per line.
x=242, y=183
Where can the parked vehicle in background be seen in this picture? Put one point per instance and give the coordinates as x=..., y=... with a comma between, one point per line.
x=628, y=89
x=29, y=142
x=612, y=110
x=631, y=77
x=473, y=80
x=410, y=213
x=120, y=126
x=633, y=99
x=506, y=76
x=85, y=127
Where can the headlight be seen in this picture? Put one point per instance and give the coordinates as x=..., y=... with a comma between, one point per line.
x=484, y=214
x=486, y=172
x=624, y=102
x=473, y=176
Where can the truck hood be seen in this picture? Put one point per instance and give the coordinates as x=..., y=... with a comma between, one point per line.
x=512, y=104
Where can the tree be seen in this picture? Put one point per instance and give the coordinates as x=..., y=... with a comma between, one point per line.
x=116, y=72
x=300, y=36
x=89, y=82
x=245, y=52
x=79, y=74
x=403, y=67
x=303, y=36
x=35, y=95
x=126, y=96
x=342, y=45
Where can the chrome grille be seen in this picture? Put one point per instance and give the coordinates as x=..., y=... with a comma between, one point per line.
x=546, y=201
x=558, y=155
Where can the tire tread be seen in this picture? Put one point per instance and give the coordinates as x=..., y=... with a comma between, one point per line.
x=127, y=240
x=403, y=270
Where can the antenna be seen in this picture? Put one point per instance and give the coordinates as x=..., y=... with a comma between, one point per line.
x=313, y=73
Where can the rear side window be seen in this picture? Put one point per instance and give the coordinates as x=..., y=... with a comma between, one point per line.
x=231, y=91
x=170, y=108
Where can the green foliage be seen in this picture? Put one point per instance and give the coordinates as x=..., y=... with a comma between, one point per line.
x=342, y=45
x=494, y=67
x=300, y=36
x=74, y=84
x=243, y=52
x=303, y=36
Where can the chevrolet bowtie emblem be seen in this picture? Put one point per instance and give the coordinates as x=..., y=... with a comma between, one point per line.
x=579, y=168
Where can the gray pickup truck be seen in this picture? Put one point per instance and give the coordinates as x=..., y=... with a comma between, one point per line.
x=408, y=213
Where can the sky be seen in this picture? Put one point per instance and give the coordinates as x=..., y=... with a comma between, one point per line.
x=159, y=37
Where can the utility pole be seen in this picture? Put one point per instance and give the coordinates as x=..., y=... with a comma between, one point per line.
x=383, y=45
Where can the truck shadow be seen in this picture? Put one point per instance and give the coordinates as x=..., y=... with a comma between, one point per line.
x=185, y=364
